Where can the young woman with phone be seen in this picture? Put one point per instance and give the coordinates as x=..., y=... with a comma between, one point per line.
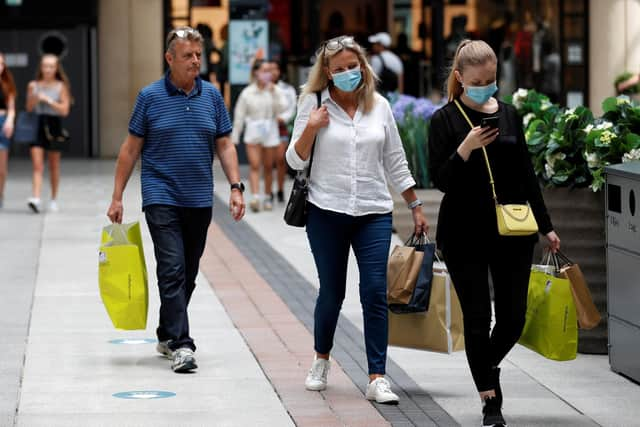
x=467, y=230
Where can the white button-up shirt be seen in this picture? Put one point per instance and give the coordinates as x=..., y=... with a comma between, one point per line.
x=354, y=159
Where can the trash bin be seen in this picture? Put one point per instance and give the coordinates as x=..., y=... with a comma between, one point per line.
x=623, y=267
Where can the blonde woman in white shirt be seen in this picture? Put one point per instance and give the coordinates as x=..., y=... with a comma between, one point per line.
x=358, y=152
x=255, y=113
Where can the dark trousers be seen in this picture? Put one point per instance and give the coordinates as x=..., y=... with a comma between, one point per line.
x=509, y=262
x=179, y=236
x=331, y=235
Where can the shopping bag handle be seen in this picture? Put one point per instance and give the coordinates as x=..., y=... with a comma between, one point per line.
x=119, y=234
x=563, y=258
x=550, y=258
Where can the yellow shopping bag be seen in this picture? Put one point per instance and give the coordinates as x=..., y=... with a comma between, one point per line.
x=551, y=327
x=122, y=276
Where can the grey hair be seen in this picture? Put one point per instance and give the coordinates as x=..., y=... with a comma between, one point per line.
x=190, y=34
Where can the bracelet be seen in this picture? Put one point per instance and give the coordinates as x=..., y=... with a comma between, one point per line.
x=415, y=204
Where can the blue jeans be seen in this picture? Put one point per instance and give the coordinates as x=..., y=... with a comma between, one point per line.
x=331, y=234
x=179, y=236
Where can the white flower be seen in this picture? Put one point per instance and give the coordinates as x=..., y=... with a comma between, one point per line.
x=588, y=129
x=623, y=99
x=545, y=105
x=604, y=125
x=606, y=137
x=631, y=156
x=551, y=159
x=593, y=161
x=519, y=96
x=549, y=170
x=526, y=119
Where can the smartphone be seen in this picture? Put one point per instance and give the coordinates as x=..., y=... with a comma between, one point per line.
x=491, y=122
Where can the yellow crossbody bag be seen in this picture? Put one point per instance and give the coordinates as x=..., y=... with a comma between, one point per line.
x=513, y=219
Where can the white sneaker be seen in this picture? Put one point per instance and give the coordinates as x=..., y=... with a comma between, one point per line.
x=53, y=206
x=183, y=360
x=317, y=376
x=380, y=391
x=34, y=204
x=163, y=348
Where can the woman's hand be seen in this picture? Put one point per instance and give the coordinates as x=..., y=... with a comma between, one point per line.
x=7, y=129
x=318, y=118
x=554, y=241
x=420, y=223
x=476, y=138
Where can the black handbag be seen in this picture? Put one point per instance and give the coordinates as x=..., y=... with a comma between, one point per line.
x=53, y=130
x=296, y=212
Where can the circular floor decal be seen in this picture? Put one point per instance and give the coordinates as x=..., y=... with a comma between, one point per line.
x=144, y=394
x=132, y=341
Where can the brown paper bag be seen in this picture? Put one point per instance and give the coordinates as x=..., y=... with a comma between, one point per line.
x=588, y=314
x=440, y=329
x=402, y=273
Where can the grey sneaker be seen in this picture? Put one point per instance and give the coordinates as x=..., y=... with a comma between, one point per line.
x=317, y=376
x=183, y=361
x=268, y=203
x=163, y=348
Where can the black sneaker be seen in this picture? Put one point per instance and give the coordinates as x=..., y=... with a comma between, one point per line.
x=280, y=197
x=492, y=415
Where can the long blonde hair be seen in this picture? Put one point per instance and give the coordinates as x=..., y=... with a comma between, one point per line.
x=318, y=80
x=60, y=73
x=469, y=52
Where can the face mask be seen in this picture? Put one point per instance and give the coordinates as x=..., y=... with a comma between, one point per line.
x=265, y=77
x=481, y=94
x=347, y=81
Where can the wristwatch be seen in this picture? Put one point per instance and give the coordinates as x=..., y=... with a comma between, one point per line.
x=238, y=186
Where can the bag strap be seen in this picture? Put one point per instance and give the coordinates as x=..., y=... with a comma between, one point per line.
x=484, y=152
x=315, y=139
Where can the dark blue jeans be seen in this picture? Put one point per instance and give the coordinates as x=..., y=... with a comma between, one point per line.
x=179, y=236
x=331, y=235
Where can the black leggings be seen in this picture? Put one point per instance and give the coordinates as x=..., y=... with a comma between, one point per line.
x=509, y=262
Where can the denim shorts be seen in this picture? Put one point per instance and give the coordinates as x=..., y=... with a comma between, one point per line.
x=4, y=141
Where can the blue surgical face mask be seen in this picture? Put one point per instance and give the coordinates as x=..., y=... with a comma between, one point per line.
x=347, y=81
x=481, y=94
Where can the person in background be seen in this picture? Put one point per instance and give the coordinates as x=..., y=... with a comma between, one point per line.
x=386, y=64
x=49, y=95
x=255, y=114
x=357, y=156
x=178, y=123
x=411, y=66
x=284, y=118
x=467, y=230
x=7, y=118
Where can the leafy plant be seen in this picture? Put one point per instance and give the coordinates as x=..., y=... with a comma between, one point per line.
x=631, y=90
x=412, y=117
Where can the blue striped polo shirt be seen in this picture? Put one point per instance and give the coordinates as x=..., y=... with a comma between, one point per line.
x=179, y=132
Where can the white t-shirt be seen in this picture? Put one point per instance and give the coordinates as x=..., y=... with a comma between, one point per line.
x=391, y=61
x=354, y=159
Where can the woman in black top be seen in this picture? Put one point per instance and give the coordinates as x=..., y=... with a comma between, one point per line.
x=467, y=230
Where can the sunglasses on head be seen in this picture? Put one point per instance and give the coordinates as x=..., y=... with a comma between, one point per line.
x=337, y=44
x=182, y=33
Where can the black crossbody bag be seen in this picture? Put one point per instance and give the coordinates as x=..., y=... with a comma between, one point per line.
x=296, y=212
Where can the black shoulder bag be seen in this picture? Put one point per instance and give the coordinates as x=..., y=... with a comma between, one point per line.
x=296, y=212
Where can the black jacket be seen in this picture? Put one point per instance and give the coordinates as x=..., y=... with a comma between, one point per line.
x=467, y=212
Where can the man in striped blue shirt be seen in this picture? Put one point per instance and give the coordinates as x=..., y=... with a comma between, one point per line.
x=176, y=125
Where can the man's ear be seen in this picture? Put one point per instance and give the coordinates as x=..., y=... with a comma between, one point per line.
x=168, y=57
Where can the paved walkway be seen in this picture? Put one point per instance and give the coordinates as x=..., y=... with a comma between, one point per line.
x=251, y=316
